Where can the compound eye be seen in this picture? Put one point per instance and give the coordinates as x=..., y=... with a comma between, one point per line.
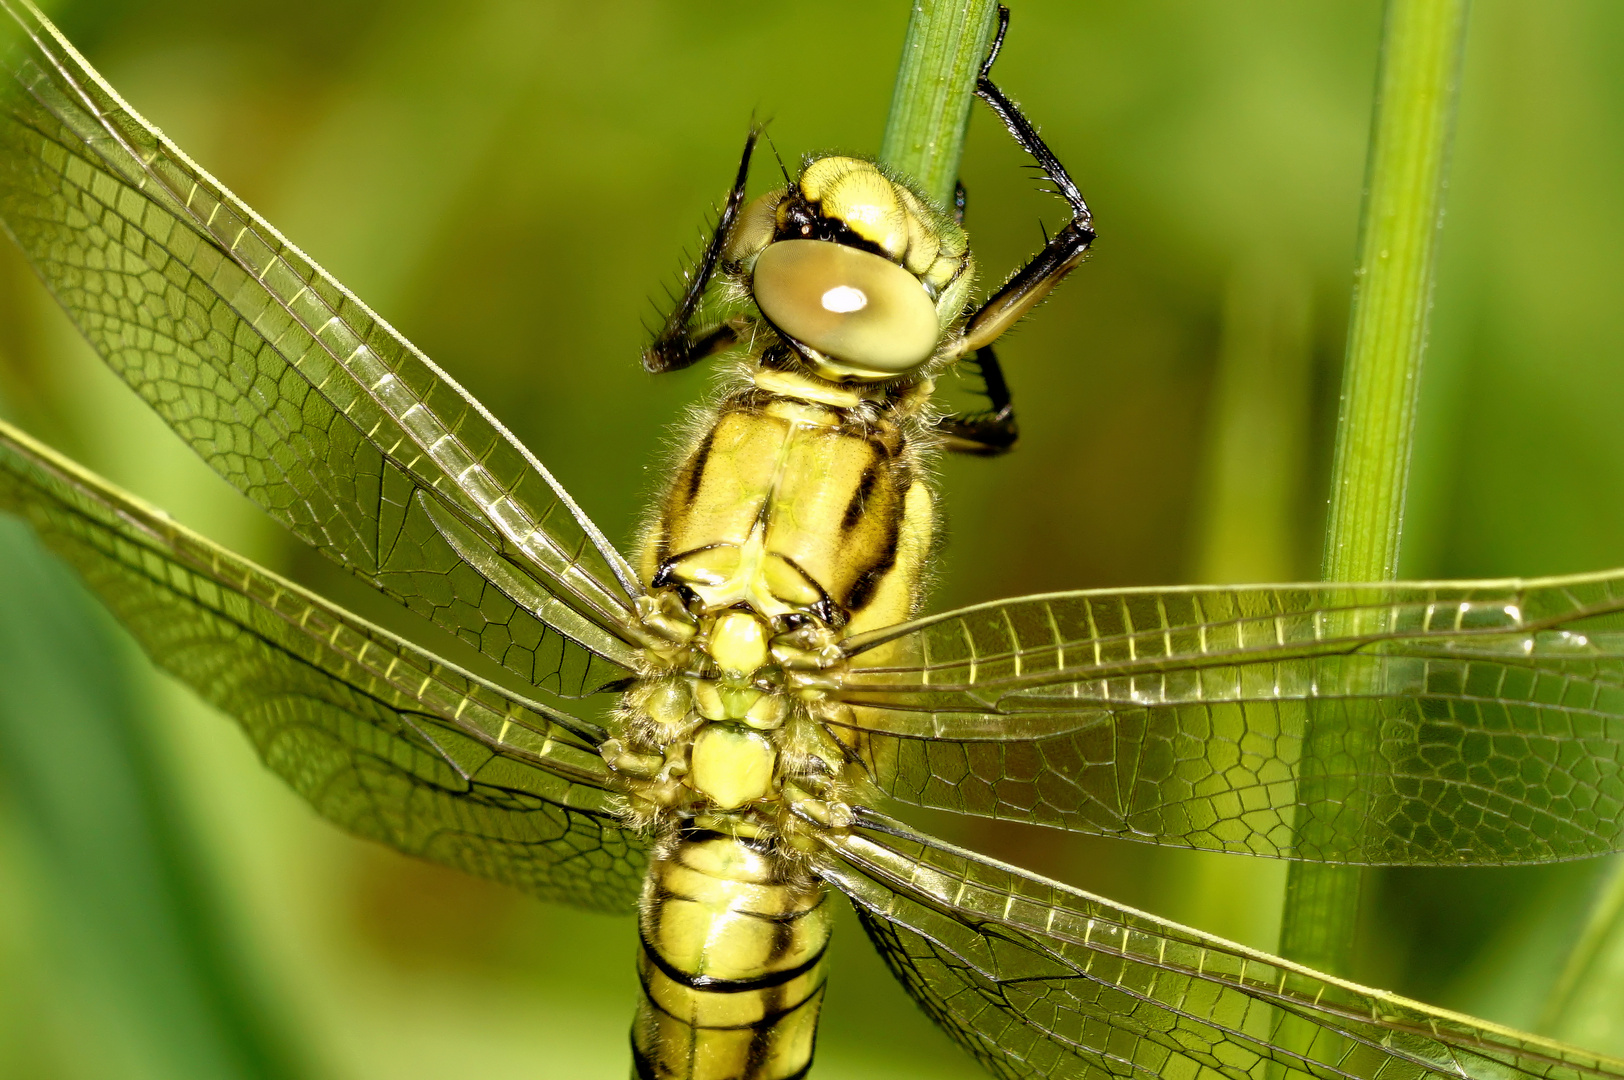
x=855, y=307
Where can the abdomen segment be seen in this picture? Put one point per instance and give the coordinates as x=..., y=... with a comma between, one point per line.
x=731, y=963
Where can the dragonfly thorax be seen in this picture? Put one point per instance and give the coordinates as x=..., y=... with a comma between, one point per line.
x=734, y=734
x=799, y=516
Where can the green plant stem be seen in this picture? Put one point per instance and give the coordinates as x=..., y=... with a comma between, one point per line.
x=1422, y=44
x=1406, y=177
x=930, y=108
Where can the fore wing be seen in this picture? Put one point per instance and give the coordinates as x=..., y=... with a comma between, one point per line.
x=1037, y=979
x=1452, y=722
x=290, y=387
x=380, y=736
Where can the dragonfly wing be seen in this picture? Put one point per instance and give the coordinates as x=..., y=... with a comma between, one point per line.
x=380, y=736
x=1484, y=721
x=291, y=388
x=1037, y=979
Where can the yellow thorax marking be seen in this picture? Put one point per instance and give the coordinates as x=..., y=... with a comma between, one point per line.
x=738, y=642
x=747, y=581
x=732, y=766
x=790, y=384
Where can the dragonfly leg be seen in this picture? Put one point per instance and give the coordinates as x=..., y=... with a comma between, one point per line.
x=679, y=342
x=1064, y=251
x=991, y=431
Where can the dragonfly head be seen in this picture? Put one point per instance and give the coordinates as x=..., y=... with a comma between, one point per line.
x=860, y=274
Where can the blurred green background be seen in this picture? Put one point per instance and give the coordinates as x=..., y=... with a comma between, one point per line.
x=510, y=182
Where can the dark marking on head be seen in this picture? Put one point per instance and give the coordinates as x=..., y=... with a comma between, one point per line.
x=802, y=219
x=780, y=357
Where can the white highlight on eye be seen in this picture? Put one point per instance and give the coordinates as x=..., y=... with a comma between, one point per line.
x=843, y=299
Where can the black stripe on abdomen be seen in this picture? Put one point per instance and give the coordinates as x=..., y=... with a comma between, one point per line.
x=728, y=986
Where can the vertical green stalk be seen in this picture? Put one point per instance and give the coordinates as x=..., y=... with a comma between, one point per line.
x=1421, y=54
x=930, y=108
x=1422, y=44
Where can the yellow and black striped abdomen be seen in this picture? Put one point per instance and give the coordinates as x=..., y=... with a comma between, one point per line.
x=731, y=963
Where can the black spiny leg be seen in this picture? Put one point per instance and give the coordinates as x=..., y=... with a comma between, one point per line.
x=985, y=433
x=1061, y=254
x=991, y=431
x=680, y=343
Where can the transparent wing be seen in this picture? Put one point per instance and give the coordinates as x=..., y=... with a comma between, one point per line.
x=379, y=736
x=1457, y=722
x=1037, y=979
x=290, y=387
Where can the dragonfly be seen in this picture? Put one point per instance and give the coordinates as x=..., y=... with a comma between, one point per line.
x=777, y=689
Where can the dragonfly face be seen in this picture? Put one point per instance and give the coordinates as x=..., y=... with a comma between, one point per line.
x=1107, y=712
